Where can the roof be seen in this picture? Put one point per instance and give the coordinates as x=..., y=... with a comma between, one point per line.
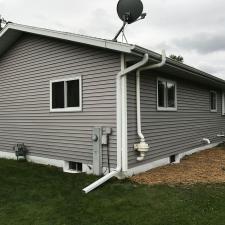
x=13, y=31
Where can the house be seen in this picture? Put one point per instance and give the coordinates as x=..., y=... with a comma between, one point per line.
x=94, y=105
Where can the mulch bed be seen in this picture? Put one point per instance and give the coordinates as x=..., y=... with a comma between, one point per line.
x=204, y=167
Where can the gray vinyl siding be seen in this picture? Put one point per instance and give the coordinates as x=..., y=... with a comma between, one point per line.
x=170, y=133
x=25, y=73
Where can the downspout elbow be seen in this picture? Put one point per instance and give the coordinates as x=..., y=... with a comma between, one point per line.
x=206, y=140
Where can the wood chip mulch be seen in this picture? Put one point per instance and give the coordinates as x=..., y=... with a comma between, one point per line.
x=204, y=167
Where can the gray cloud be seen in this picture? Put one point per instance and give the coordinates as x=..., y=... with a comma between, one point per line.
x=202, y=42
x=189, y=28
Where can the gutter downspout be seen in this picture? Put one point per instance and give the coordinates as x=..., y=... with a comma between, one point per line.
x=118, y=169
x=142, y=147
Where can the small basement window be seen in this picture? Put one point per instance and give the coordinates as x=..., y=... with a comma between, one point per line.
x=213, y=101
x=75, y=166
x=65, y=95
x=172, y=158
x=72, y=167
x=166, y=95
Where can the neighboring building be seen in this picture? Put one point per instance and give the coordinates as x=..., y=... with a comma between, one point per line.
x=57, y=89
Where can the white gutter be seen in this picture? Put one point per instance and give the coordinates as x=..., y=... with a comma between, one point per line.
x=142, y=147
x=120, y=128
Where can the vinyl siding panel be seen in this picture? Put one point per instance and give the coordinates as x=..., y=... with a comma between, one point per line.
x=170, y=133
x=25, y=73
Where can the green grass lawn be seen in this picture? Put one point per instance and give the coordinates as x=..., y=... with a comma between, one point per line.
x=37, y=195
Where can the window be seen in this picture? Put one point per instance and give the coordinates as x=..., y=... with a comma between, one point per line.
x=72, y=167
x=223, y=103
x=213, y=101
x=166, y=95
x=75, y=166
x=65, y=95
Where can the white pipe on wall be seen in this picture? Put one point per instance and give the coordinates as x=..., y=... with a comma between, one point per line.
x=120, y=128
x=138, y=101
x=206, y=140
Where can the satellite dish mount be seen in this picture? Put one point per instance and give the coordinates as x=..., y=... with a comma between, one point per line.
x=3, y=22
x=129, y=11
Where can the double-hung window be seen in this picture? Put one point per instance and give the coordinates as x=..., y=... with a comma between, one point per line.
x=213, y=101
x=65, y=95
x=166, y=95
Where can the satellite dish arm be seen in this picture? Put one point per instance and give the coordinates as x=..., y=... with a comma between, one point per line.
x=121, y=29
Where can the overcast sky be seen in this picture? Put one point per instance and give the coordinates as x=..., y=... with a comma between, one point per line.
x=193, y=29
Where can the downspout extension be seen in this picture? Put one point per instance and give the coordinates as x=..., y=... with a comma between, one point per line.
x=143, y=147
x=118, y=169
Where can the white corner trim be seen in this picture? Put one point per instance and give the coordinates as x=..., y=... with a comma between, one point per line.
x=165, y=161
x=124, y=116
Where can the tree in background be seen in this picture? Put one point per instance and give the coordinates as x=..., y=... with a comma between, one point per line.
x=178, y=58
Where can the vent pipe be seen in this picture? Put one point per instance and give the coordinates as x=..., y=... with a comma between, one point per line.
x=143, y=147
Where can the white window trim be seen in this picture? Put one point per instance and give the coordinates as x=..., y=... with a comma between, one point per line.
x=223, y=105
x=166, y=108
x=67, y=109
x=213, y=110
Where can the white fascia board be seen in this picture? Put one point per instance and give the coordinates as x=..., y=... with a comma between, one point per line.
x=102, y=43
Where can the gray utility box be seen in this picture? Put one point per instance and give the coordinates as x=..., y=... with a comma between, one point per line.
x=99, y=140
x=97, y=150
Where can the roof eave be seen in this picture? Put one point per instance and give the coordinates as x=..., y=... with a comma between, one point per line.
x=102, y=43
x=172, y=63
x=12, y=32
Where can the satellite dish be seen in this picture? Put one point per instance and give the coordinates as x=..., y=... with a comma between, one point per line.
x=129, y=11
